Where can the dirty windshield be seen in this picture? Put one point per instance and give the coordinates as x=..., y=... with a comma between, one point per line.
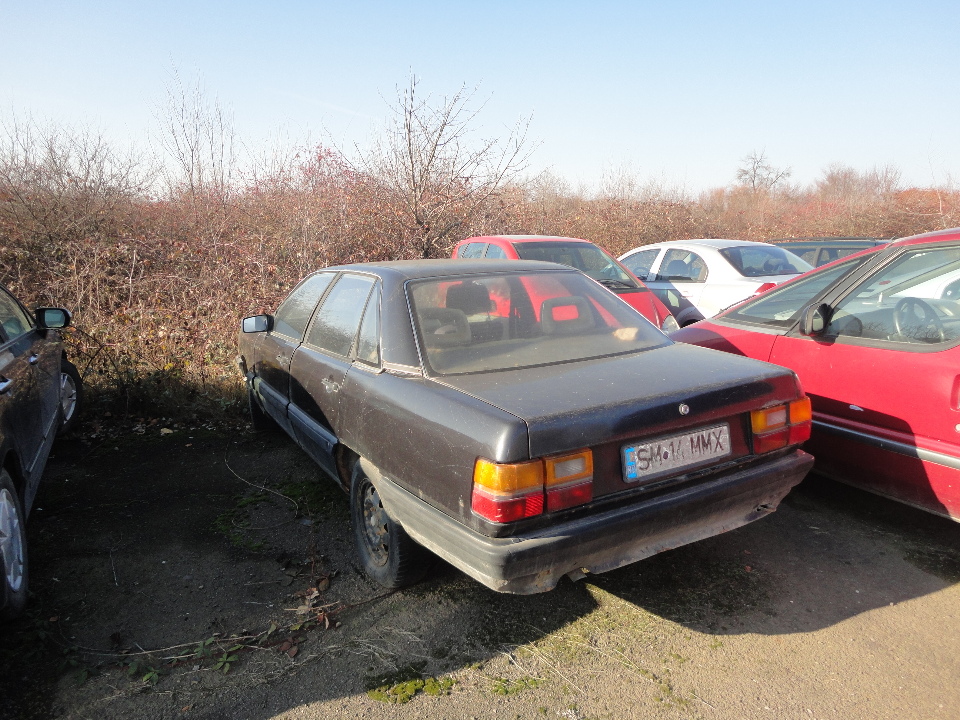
x=498, y=322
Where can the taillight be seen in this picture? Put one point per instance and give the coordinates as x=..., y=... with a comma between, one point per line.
x=506, y=492
x=763, y=288
x=782, y=425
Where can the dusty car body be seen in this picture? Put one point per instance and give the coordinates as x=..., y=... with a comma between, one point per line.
x=517, y=419
x=39, y=396
x=875, y=340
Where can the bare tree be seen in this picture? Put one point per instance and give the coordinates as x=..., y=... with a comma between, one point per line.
x=756, y=172
x=59, y=182
x=199, y=138
x=436, y=174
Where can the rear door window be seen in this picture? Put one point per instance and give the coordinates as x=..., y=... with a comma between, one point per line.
x=14, y=320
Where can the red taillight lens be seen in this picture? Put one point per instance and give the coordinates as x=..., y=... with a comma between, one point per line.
x=512, y=491
x=763, y=288
x=502, y=509
x=780, y=426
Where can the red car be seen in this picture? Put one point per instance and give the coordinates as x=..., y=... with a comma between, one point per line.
x=580, y=254
x=875, y=341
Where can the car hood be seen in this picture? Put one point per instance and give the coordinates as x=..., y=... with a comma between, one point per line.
x=580, y=404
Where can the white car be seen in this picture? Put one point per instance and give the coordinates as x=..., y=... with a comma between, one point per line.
x=697, y=279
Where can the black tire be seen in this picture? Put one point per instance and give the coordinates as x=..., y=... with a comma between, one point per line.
x=71, y=396
x=13, y=550
x=259, y=420
x=389, y=555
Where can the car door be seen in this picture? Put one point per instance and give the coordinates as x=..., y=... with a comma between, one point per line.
x=319, y=365
x=678, y=280
x=276, y=348
x=29, y=387
x=884, y=377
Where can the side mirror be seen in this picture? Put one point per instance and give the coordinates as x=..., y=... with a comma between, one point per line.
x=815, y=319
x=258, y=323
x=53, y=318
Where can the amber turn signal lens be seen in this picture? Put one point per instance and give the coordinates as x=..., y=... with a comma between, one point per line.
x=801, y=411
x=508, y=477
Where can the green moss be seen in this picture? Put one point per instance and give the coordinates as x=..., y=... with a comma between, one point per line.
x=403, y=685
x=502, y=686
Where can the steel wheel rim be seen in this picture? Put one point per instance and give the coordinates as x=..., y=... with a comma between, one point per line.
x=11, y=545
x=68, y=396
x=376, y=533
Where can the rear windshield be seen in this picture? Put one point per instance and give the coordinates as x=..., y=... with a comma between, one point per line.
x=584, y=256
x=515, y=320
x=760, y=260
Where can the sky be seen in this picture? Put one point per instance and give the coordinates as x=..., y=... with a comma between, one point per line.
x=676, y=93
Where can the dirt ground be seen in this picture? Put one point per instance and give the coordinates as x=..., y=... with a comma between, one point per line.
x=205, y=573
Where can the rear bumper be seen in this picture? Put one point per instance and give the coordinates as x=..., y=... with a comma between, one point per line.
x=605, y=541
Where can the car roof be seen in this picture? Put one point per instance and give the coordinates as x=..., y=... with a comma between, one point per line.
x=715, y=243
x=402, y=270
x=935, y=236
x=526, y=238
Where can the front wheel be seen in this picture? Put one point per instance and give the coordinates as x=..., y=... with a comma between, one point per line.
x=71, y=396
x=13, y=550
x=389, y=555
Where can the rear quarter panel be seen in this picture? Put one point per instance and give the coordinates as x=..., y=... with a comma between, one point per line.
x=426, y=436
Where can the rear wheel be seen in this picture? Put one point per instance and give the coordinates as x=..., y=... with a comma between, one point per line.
x=13, y=549
x=71, y=395
x=389, y=555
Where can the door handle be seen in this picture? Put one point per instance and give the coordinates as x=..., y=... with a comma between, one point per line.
x=5, y=385
x=33, y=359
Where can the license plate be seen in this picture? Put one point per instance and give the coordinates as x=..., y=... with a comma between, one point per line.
x=668, y=454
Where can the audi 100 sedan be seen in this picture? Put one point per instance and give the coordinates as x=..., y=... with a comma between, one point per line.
x=517, y=419
x=875, y=339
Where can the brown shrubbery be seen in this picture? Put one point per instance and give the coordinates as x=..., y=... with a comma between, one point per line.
x=158, y=279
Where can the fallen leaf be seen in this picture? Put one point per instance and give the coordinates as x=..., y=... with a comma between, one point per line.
x=324, y=584
x=292, y=652
x=748, y=568
x=166, y=431
x=285, y=646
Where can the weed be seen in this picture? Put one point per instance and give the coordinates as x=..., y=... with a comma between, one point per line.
x=502, y=686
x=401, y=686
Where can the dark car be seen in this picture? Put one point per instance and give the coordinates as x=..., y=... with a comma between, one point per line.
x=517, y=419
x=583, y=255
x=875, y=339
x=820, y=251
x=39, y=395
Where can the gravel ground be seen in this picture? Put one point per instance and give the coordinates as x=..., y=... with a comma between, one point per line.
x=211, y=574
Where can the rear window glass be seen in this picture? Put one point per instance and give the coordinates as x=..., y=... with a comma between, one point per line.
x=759, y=260
x=506, y=321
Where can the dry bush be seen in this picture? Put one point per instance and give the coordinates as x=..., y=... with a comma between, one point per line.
x=158, y=284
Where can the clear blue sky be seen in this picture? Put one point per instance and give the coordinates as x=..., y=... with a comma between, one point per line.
x=677, y=90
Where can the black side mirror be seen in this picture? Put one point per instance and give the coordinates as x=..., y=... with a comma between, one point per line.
x=258, y=323
x=53, y=318
x=815, y=319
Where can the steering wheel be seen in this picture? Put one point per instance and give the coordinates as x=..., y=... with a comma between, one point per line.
x=913, y=312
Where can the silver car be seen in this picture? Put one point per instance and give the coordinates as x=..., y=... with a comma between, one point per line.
x=697, y=279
